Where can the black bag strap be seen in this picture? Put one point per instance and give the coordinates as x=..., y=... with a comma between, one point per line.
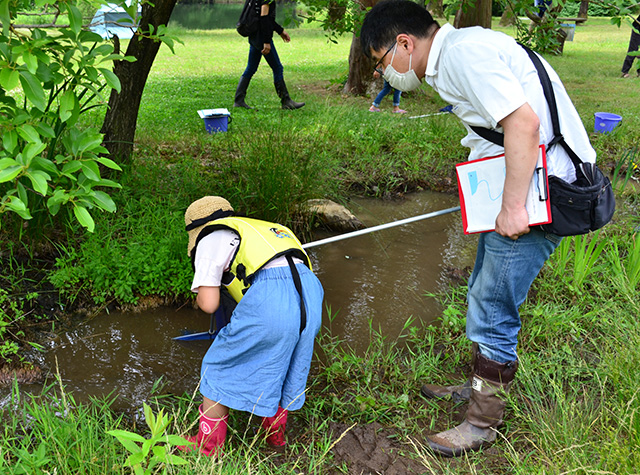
x=498, y=138
x=298, y=285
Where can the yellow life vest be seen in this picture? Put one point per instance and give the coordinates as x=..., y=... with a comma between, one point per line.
x=260, y=243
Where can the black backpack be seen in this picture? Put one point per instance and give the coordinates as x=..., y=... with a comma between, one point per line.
x=249, y=20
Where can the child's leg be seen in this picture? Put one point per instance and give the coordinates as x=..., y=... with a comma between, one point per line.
x=212, y=429
x=396, y=102
x=396, y=97
x=382, y=94
x=275, y=427
x=213, y=409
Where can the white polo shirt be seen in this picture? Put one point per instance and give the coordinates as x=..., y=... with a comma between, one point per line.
x=485, y=75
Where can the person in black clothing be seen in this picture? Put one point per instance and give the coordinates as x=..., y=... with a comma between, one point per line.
x=634, y=42
x=261, y=43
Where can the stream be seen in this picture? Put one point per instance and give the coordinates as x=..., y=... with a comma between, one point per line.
x=377, y=279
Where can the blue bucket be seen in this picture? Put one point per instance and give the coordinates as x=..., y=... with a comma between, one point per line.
x=605, y=122
x=215, y=120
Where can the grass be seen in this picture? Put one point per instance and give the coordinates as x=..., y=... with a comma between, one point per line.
x=575, y=403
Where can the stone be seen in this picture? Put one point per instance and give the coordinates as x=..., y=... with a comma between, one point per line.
x=333, y=215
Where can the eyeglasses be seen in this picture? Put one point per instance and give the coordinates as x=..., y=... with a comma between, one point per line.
x=378, y=67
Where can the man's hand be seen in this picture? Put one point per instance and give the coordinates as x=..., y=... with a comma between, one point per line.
x=285, y=36
x=512, y=223
x=266, y=48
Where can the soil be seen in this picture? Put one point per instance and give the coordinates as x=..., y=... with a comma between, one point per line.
x=370, y=449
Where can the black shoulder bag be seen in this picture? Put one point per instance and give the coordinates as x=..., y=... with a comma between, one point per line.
x=586, y=204
x=249, y=20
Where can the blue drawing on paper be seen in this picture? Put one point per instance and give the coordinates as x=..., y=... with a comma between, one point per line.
x=474, y=183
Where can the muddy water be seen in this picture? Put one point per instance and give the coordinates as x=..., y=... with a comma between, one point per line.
x=379, y=277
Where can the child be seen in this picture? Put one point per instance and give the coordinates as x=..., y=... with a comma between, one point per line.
x=386, y=89
x=260, y=361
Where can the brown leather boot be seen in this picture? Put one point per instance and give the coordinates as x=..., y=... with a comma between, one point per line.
x=458, y=393
x=491, y=381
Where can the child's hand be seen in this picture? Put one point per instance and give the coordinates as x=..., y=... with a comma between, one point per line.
x=376, y=74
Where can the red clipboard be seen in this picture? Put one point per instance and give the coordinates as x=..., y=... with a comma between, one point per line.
x=480, y=186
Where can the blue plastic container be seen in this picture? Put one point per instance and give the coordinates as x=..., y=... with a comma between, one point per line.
x=215, y=120
x=216, y=123
x=605, y=122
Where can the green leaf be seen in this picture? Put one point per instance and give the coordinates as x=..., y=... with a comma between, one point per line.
x=9, y=78
x=112, y=80
x=134, y=459
x=46, y=165
x=33, y=90
x=104, y=201
x=109, y=183
x=89, y=141
x=10, y=140
x=39, y=181
x=22, y=193
x=75, y=19
x=72, y=167
x=91, y=170
x=85, y=219
x=31, y=151
x=10, y=173
x=58, y=198
x=175, y=460
x=107, y=162
x=29, y=133
x=5, y=18
x=18, y=206
x=30, y=61
x=126, y=435
x=160, y=452
x=7, y=162
x=177, y=440
x=46, y=130
x=68, y=102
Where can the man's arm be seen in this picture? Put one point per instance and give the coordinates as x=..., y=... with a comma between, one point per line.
x=521, y=141
x=208, y=298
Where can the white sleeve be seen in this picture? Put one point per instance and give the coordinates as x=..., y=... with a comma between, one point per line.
x=213, y=256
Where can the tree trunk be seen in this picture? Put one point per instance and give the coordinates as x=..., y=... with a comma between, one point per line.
x=470, y=14
x=508, y=17
x=584, y=9
x=119, y=126
x=360, y=69
x=360, y=66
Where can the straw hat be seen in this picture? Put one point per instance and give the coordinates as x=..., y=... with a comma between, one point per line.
x=202, y=211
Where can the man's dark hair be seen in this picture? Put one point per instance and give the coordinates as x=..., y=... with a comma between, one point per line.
x=387, y=19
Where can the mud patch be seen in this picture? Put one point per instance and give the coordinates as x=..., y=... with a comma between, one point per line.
x=371, y=449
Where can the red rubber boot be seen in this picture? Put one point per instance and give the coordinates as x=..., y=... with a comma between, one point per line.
x=211, y=436
x=275, y=427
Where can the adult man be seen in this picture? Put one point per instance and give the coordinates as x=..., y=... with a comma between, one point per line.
x=491, y=82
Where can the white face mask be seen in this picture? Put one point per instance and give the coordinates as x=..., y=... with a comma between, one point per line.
x=404, y=82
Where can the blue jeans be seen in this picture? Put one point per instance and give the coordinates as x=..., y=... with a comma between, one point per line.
x=503, y=272
x=272, y=58
x=383, y=93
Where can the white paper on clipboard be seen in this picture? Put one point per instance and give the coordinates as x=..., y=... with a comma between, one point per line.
x=481, y=185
